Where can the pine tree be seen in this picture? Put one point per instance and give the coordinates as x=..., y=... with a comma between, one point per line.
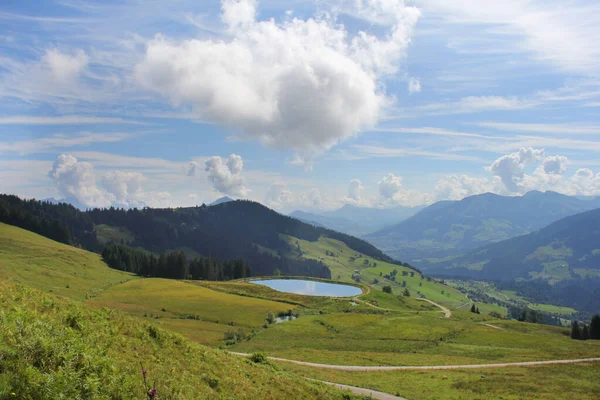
x=595, y=328
x=575, y=331
x=473, y=307
x=585, y=332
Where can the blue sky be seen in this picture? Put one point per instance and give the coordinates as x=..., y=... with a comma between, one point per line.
x=297, y=104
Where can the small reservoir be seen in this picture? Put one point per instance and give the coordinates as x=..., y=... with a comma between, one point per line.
x=310, y=288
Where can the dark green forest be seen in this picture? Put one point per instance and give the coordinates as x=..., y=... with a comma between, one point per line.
x=228, y=231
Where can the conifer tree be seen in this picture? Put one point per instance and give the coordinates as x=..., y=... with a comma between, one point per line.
x=595, y=328
x=575, y=331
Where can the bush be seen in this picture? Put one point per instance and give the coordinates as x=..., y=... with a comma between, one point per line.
x=387, y=289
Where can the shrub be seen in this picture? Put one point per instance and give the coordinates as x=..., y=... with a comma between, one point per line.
x=387, y=289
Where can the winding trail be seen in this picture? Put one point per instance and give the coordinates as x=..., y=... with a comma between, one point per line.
x=357, y=368
x=374, y=394
x=447, y=312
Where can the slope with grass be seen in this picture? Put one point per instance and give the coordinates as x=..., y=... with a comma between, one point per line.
x=53, y=267
x=196, y=312
x=346, y=263
x=58, y=348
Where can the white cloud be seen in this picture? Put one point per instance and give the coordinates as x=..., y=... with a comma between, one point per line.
x=355, y=189
x=60, y=141
x=457, y=187
x=65, y=67
x=474, y=104
x=389, y=186
x=555, y=165
x=511, y=167
x=225, y=175
x=193, y=168
x=64, y=120
x=299, y=84
x=414, y=85
x=125, y=188
x=278, y=195
x=76, y=181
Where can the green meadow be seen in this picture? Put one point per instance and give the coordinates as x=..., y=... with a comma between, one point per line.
x=71, y=325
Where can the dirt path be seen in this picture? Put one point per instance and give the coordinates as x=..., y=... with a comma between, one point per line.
x=366, y=303
x=362, y=391
x=447, y=312
x=493, y=326
x=427, y=367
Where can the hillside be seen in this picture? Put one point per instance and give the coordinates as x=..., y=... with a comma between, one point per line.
x=357, y=221
x=452, y=228
x=565, y=255
x=57, y=348
x=227, y=231
x=38, y=262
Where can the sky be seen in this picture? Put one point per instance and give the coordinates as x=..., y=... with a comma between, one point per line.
x=297, y=104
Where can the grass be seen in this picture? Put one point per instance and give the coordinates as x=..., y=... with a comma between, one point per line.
x=194, y=311
x=107, y=233
x=557, y=382
x=58, y=348
x=346, y=261
x=406, y=338
x=54, y=267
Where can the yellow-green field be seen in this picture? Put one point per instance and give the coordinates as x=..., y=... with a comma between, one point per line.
x=56, y=348
x=54, y=267
x=552, y=382
x=378, y=329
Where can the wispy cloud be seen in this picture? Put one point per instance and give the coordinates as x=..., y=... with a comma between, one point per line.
x=60, y=142
x=66, y=120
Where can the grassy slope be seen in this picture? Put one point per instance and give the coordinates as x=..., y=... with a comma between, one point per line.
x=343, y=268
x=53, y=267
x=59, y=348
x=194, y=311
x=555, y=382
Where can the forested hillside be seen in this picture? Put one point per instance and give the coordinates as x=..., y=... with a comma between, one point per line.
x=226, y=231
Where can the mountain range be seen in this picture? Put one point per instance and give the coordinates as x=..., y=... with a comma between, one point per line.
x=451, y=228
x=356, y=221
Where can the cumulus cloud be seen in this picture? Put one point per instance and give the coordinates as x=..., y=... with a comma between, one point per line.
x=225, y=175
x=65, y=67
x=297, y=84
x=76, y=181
x=414, y=85
x=278, y=195
x=457, y=187
x=556, y=165
x=510, y=168
x=389, y=186
x=355, y=189
x=193, y=168
x=125, y=188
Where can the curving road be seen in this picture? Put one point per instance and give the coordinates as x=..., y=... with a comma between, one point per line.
x=447, y=312
x=374, y=394
x=356, y=368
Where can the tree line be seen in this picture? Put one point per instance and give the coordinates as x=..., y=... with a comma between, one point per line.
x=581, y=331
x=173, y=264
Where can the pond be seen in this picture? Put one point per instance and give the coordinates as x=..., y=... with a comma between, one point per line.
x=310, y=288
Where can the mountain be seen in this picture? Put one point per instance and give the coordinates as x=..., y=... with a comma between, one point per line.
x=224, y=199
x=336, y=224
x=263, y=238
x=559, y=264
x=357, y=221
x=452, y=228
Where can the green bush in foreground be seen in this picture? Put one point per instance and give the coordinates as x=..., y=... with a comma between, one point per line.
x=52, y=348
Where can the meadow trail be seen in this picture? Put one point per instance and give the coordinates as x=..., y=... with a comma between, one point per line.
x=447, y=312
x=357, y=368
x=373, y=394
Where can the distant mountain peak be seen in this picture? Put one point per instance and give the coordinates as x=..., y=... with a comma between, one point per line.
x=224, y=199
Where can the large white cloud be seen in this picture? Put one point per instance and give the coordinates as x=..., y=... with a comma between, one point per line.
x=511, y=167
x=76, y=181
x=225, y=174
x=299, y=84
x=389, y=186
x=355, y=189
x=555, y=165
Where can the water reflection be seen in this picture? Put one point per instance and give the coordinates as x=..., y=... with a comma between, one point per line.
x=310, y=288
